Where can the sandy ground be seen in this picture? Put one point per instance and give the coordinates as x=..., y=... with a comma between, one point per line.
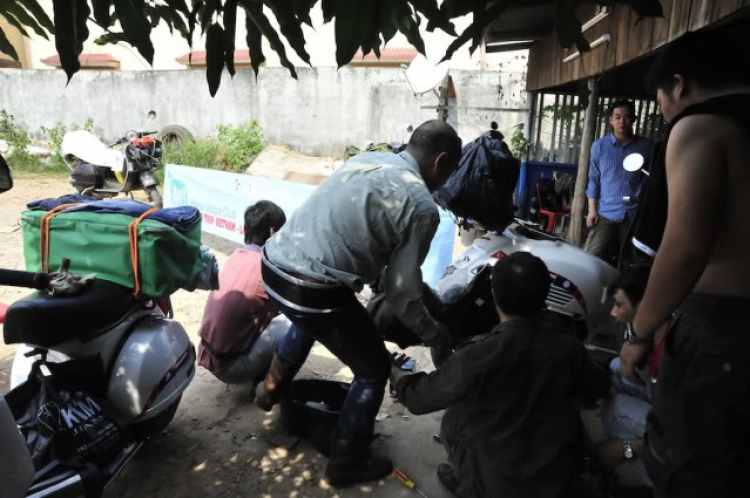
x=219, y=443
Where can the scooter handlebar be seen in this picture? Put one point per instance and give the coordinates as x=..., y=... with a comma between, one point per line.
x=27, y=279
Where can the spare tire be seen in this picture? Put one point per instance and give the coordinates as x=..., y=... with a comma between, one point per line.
x=175, y=133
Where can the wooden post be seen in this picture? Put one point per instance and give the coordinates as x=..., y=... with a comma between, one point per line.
x=582, y=178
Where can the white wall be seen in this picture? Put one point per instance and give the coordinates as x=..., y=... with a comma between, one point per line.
x=320, y=114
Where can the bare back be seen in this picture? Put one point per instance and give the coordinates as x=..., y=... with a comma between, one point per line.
x=708, y=172
x=728, y=270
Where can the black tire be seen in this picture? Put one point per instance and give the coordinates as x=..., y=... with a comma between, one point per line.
x=175, y=133
x=154, y=196
x=158, y=423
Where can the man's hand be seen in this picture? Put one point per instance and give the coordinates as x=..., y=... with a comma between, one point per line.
x=631, y=355
x=441, y=346
x=592, y=219
x=397, y=361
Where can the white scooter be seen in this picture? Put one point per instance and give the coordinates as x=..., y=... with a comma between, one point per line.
x=142, y=359
x=146, y=363
x=579, y=280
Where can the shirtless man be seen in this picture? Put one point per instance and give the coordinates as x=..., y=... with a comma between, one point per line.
x=698, y=435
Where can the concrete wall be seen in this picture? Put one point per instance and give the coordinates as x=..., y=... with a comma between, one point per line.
x=319, y=114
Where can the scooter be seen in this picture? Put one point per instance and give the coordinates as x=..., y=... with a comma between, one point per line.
x=579, y=280
x=144, y=362
x=101, y=171
x=139, y=358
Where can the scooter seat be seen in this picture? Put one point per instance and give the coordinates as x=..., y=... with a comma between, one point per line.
x=44, y=320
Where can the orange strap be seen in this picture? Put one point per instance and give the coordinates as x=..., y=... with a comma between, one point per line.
x=44, y=228
x=133, y=236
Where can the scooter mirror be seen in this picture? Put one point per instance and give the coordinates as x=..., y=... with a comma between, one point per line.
x=633, y=162
x=151, y=114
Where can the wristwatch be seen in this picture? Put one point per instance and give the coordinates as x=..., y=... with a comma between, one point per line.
x=627, y=450
x=632, y=338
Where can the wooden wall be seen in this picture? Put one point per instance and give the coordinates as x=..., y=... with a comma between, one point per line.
x=628, y=41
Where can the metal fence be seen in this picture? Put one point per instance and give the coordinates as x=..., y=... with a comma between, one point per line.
x=558, y=125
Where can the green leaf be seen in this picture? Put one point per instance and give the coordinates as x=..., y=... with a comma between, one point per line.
x=214, y=57
x=409, y=27
x=350, y=19
x=290, y=26
x=22, y=18
x=329, y=10
x=103, y=12
x=82, y=20
x=255, y=12
x=205, y=15
x=254, y=44
x=6, y=47
x=66, y=40
x=477, y=26
x=455, y=8
x=110, y=38
x=230, y=29
x=154, y=16
x=15, y=23
x=179, y=6
x=302, y=8
x=135, y=25
x=435, y=17
x=38, y=12
x=164, y=13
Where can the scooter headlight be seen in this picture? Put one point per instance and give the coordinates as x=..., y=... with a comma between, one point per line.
x=131, y=135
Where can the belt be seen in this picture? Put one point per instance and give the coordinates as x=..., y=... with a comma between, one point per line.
x=304, y=295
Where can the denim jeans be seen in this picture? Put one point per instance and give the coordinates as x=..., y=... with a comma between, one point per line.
x=350, y=334
x=253, y=366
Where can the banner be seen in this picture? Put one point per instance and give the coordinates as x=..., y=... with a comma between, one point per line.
x=223, y=197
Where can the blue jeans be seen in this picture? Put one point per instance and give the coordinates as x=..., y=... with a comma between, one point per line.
x=350, y=334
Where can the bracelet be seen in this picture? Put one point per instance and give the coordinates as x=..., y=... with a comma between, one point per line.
x=632, y=338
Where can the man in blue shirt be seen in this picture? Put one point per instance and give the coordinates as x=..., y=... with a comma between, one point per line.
x=609, y=218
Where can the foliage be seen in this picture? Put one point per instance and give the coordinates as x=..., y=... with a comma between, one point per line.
x=519, y=144
x=18, y=141
x=365, y=24
x=233, y=150
x=55, y=136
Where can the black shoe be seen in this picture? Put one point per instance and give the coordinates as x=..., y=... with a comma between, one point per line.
x=447, y=477
x=353, y=463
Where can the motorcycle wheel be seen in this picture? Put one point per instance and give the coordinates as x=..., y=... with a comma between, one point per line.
x=155, y=196
x=158, y=423
x=175, y=133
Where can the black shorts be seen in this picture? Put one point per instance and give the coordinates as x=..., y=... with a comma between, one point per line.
x=698, y=433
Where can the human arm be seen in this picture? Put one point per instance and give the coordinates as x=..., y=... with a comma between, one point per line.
x=424, y=393
x=696, y=180
x=403, y=278
x=593, y=190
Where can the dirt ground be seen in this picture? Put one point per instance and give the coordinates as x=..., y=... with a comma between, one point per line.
x=220, y=444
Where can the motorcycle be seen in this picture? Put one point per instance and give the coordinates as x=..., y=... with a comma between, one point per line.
x=577, y=302
x=101, y=171
x=134, y=359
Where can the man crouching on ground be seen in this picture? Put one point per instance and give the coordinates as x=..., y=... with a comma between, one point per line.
x=512, y=424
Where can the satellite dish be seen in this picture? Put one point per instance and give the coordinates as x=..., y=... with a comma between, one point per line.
x=424, y=77
x=633, y=162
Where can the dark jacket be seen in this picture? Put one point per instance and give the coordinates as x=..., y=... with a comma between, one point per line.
x=513, y=397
